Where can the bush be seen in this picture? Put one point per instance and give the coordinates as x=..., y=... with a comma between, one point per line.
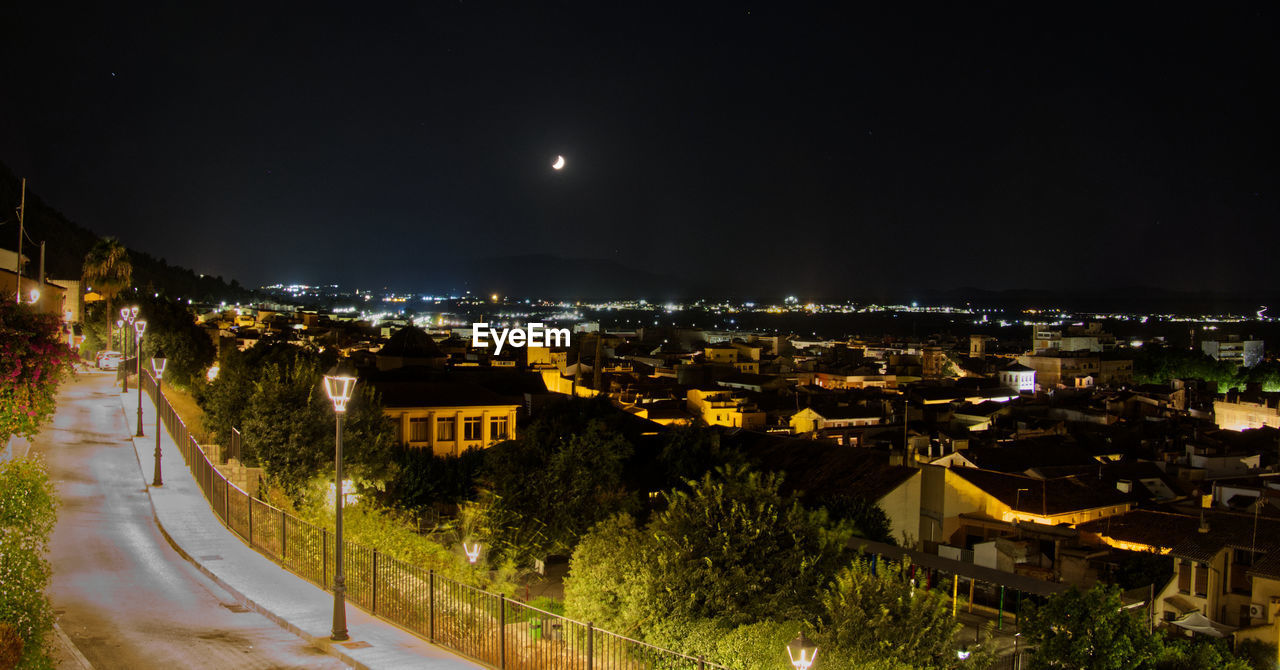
x=27, y=516
x=10, y=646
x=33, y=362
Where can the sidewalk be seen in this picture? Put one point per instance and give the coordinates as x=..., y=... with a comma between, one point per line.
x=185, y=519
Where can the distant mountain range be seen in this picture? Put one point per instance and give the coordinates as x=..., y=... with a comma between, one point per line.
x=1121, y=299
x=551, y=276
x=66, y=244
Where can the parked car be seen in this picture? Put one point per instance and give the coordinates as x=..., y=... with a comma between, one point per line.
x=109, y=360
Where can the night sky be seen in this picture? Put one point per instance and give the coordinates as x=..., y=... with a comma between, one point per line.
x=766, y=147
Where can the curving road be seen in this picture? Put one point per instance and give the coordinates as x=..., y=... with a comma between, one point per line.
x=123, y=595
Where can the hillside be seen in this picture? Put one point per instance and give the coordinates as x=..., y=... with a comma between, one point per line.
x=66, y=244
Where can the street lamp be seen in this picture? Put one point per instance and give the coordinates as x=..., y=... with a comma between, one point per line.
x=472, y=552
x=139, y=327
x=339, y=382
x=802, y=651
x=157, y=366
x=126, y=319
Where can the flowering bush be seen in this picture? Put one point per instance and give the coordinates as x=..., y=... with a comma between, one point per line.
x=33, y=361
x=27, y=516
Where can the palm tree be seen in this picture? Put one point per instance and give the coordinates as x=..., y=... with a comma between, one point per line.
x=108, y=271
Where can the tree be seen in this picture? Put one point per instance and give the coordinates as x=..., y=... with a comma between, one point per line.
x=224, y=399
x=689, y=452
x=1267, y=375
x=288, y=428
x=875, y=610
x=731, y=548
x=734, y=547
x=1178, y=654
x=610, y=582
x=1088, y=630
x=27, y=515
x=108, y=271
x=423, y=479
x=1140, y=569
x=545, y=489
x=33, y=362
x=868, y=519
x=1156, y=365
x=172, y=328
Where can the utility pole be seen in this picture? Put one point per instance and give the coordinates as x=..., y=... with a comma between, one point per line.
x=17, y=263
x=595, y=365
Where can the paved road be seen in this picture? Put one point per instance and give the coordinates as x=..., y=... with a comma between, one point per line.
x=124, y=596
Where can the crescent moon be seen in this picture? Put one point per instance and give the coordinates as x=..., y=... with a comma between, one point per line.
x=559, y=163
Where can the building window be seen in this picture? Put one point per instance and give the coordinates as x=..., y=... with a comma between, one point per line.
x=1202, y=579
x=471, y=428
x=445, y=430
x=419, y=429
x=1184, y=577
x=498, y=429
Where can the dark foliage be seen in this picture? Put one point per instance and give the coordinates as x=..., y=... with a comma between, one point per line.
x=423, y=479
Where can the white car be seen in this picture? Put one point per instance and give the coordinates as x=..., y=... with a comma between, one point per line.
x=109, y=360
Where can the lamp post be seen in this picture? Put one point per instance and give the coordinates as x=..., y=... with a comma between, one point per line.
x=139, y=327
x=339, y=382
x=123, y=345
x=802, y=652
x=126, y=319
x=157, y=366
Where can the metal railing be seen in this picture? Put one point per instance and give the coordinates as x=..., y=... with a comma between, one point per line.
x=498, y=631
x=1011, y=662
x=233, y=447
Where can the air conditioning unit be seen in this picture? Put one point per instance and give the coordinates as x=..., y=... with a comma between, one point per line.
x=1257, y=611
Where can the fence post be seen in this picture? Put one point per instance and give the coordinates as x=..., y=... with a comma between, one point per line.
x=283, y=526
x=502, y=632
x=324, y=558
x=431, y=605
x=591, y=651
x=375, y=582
x=250, y=499
x=702, y=662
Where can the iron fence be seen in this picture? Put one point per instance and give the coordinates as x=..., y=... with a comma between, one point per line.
x=1011, y=662
x=233, y=446
x=498, y=631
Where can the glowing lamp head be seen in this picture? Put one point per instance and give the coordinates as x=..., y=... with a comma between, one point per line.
x=139, y=327
x=158, y=362
x=802, y=651
x=472, y=551
x=124, y=313
x=119, y=323
x=133, y=312
x=963, y=654
x=339, y=383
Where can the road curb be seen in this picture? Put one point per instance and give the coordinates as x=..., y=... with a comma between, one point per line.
x=71, y=649
x=324, y=644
